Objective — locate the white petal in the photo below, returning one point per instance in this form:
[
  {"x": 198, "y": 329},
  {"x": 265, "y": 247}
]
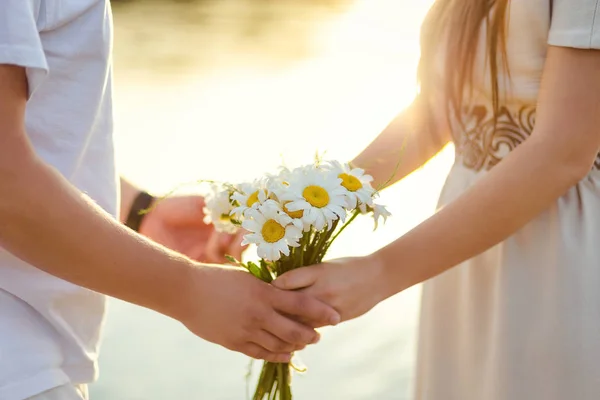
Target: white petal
[
  {"x": 293, "y": 231},
  {"x": 283, "y": 219},
  {"x": 309, "y": 215},
  {"x": 319, "y": 221},
  {"x": 259, "y": 217},
  {"x": 283, "y": 247},
  {"x": 297, "y": 223},
  {"x": 275, "y": 254},
  {"x": 298, "y": 205},
  {"x": 254, "y": 238},
  {"x": 338, "y": 191},
  {"x": 251, "y": 225},
  {"x": 351, "y": 199},
  {"x": 262, "y": 251},
  {"x": 337, "y": 210},
  {"x": 357, "y": 172}
]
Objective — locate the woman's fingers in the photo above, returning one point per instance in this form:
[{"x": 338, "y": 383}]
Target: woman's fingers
[{"x": 298, "y": 278}]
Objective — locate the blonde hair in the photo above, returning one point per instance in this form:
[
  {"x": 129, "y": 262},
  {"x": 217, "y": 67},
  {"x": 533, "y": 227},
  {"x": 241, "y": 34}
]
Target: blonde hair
[{"x": 453, "y": 27}]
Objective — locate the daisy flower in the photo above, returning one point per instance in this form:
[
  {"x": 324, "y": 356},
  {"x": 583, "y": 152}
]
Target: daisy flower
[
  {"x": 380, "y": 211},
  {"x": 279, "y": 184},
  {"x": 318, "y": 194},
  {"x": 217, "y": 210},
  {"x": 296, "y": 216},
  {"x": 248, "y": 196},
  {"x": 271, "y": 231},
  {"x": 355, "y": 181}
]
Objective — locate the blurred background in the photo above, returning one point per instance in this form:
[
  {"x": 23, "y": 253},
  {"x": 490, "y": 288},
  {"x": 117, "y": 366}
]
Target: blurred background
[{"x": 228, "y": 90}]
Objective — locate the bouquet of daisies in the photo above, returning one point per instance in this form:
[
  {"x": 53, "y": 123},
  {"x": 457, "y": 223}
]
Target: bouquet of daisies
[{"x": 292, "y": 217}]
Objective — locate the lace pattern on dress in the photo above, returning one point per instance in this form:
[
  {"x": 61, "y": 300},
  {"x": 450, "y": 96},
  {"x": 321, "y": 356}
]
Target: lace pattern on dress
[{"x": 483, "y": 145}]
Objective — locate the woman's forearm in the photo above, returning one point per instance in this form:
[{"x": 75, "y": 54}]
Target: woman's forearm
[
  {"x": 50, "y": 224},
  {"x": 560, "y": 152},
  {"x": 407, "y": 143},
  {"x": 514, "y": 192}
]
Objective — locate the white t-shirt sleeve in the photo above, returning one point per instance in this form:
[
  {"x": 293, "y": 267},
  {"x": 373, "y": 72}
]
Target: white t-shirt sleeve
[
  {"x": 575, "y": 23},
  {"x": 20, "y": 42}
]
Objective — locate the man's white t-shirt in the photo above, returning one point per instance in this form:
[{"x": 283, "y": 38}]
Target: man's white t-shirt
[{"x": 49, "y": 328}]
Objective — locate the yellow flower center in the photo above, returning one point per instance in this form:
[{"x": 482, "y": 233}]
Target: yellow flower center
[
  {"x": 316, "y": 196},
  {"x": 272, "y": 231},
  {"x": 225, "y": 217},
  {"x": 350, "y": 182},
  {"x": 293, "y": 214},
  {"x": 253, "y": 198}
]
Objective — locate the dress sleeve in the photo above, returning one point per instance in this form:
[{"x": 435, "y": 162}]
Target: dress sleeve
[
  {"x": 20, "y": 42},
  {"x": 575, "y": 23}
]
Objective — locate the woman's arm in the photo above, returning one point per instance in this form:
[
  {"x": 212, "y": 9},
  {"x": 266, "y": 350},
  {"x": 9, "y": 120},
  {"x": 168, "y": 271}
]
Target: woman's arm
[
  {"x": 408, "y": 142},
  {"x": 560, "y": 152}
]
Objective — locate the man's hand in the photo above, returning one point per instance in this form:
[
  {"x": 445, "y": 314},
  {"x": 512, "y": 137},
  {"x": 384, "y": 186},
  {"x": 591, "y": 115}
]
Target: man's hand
[
  {"x": 230, "y": 307},
  {"x": 178, "y": 223}
]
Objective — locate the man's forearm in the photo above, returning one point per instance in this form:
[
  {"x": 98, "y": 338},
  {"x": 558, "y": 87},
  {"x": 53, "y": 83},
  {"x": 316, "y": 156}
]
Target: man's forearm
[
  {"x": 407, "y": 143},
  {"x": 51, "y": 225}
]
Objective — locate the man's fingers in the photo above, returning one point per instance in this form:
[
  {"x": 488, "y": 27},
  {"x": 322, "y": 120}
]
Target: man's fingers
[
  {"x": 290, "y": 331},
  {"x": 298, "y": 278},
  {"x": 260, "y": 353},
  {"x": 273, "y": 344},
  {"x": 307, "y": 308}
]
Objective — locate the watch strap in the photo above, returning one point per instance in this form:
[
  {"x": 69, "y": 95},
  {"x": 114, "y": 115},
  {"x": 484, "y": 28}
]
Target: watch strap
[{"x": 142, "y": 202}]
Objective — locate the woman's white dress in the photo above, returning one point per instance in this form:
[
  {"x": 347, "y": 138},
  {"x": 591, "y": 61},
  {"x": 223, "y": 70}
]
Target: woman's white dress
[{"x": 522, "y": 320}]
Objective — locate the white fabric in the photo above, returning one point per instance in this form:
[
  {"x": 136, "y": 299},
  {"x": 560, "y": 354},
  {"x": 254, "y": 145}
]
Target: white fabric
[
  {"x": 576, "y": 24},
  {"x": 49, "y": 328},
  {"x": 522, "y": 320},
  {"x": 64, "y": 392}
]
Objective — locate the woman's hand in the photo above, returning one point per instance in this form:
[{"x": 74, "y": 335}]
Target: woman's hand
[{"x": 352, "y": 286}]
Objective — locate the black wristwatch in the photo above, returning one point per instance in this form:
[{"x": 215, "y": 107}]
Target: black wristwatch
[{"x": 142, "y": 202}]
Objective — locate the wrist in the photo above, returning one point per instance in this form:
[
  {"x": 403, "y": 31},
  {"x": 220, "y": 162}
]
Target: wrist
[
  {"x": 183, "y": 290},
  {"x": 391, "y": 274},
  {"x": 136, "y": 214}
]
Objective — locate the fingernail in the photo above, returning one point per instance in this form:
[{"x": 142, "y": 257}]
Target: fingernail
[
  {"x": 334, "y": 320},
  {"x": 316, "y": 339}
]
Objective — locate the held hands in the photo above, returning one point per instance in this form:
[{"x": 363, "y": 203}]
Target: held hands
[
  {"x": 229, "y": 306},
  {"x": 232, "y": 308},
  {"x": 352, "y": 286},
  {"x": 178, "y": 223}
]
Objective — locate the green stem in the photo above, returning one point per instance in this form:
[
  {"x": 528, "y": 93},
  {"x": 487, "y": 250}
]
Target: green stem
[
  {"x": 320, "y": 245},
  {"x": 322, "y": 253},
  {"x": 283, "y": 372},
  {"x": 260, "y": 389},
  {"x": 266, "y": 381},
  {"x": 274, "y": 390},
  {"x": 299, "y": 251}
]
